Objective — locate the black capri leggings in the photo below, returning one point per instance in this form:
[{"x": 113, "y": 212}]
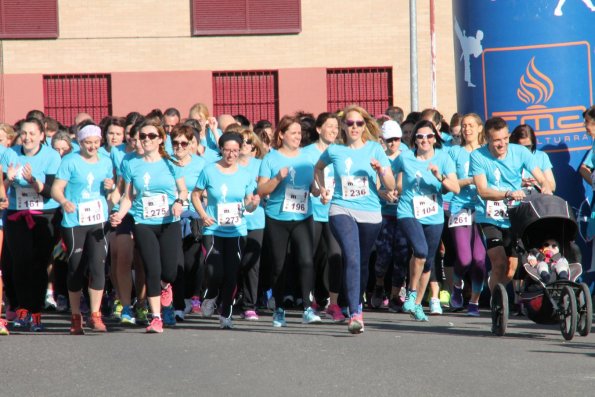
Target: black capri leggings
[
  {"x": 328, "y": 258},
  {"x": 87, "y": 250},
  {"x": 160, "y": 247},
  {"x": 224, "y": 255},
  {"x": 300, "y": 234}
]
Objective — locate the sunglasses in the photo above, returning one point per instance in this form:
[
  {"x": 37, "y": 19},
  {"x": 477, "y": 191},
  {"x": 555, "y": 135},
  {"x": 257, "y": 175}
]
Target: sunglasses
[
  {"x": 359, "y": 123},
  {"x": 142, "y": 136},
  {"x": 553, "y": 245},
  {"x": 248, "y": 141},
  {"x": 183, "y": 144},
  {"x": 391, "y": 140},
  {"x": 420, "y": 137}
]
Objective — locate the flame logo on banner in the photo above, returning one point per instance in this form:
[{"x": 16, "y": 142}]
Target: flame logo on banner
[{"x": 535, "y": 87}]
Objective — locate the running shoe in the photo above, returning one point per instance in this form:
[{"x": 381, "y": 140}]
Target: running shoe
[
  {"x": 310, "y": 317},
  {"x": 279, "y": 318},
  {"x": 418, "y": 313},
  {"x": 127, "y": 317},
  {"x": 169, "y": 317},
  {"x": 117, "y": 309},
  {"x": 179, "y": 315},
  {"x": 22, "y": 320},
  {"x": 61, "y": 304},
  {"x": 36, "y": 325},
  {"x": 395, "y": 305},
  {"x": 96, "y": 322},
  {"x": 142, "y": 315},
  {"x": 76, "y": 325},
  {"x": 166, "y": 295},
  {"x": 187, "y": 306},
  {"x": 3, "y": 329},
  {"x": 345, "y": 311},
  {"x": 195, "y": 305},
  {"x": 473, "y": 310},
  {"x": 435, "y": 307},
  {"x": 378, "y": 297},
  {"x": 250, "y": 315},
  {"x": 225, "y": 322},
  {"x": 456, "y": 298},
  {"x": 333, "y": 312},
  {"x": 50, "y": 302},
  {"x": 444, "y": 296},
  {"x": 409, "y": 305},
  {"x": 156, "y": 326},
  {"x": 11, "y": 315},
  {"x": 208, "y": 307},
  {"x": 356, "y": 323}
]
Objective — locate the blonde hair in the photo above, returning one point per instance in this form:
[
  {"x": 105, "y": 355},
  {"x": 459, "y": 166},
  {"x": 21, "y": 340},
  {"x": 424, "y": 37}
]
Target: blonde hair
[
  {"x": 198, "y": 108},
  {"x": 481, "y": 137},
  {"x": 11, "y": 134},
  {"x": 248, "y": 134},
  {"x": 371, "y": 129}
]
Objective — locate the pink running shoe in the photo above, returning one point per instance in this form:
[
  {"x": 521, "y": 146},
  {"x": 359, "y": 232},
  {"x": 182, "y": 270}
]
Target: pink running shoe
[
  {"x": 196, "y": 305},
  {"x": 250, "y": 315},
  {"x": 167, "y": 296},
  {"x": 333, "y": 311},
  {"x": 156, "y": 326},
  {"x": 356, "y": 324}
]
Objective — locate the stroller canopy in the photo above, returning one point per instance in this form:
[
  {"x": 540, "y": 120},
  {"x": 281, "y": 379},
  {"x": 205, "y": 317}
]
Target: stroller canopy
[{"x": 540, "y": 217}]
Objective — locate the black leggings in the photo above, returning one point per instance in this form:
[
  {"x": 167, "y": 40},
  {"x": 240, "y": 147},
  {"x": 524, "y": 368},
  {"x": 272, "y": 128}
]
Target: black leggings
[
  {"x": 250, "y": 268},
  {"x": 87, "y": 250},
  {"x": 328, "y": 259},
  {"x": 300, "y": 234},
  {"x": 189, "y": 279},
  {"x": 224, "y": 255},
  {"x": 30, "y": 251},
  {"x": 160, "y": 247}
]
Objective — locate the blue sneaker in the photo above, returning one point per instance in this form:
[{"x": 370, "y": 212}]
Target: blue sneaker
[
  {"x": 456, "y": 298},
  {"x": 435, "y": 308},
  {"x": 169, "y": 316},
  {"x": 126, "y": 316},
  {"x": 418, "y": 313},
  {"x": 23, "y": 320},
  {"x": 473, "y": 310},
  {"x": 409, "y": 305},
  {"x": 310, "y": 317},
  {"x": 279, "y": 318}
]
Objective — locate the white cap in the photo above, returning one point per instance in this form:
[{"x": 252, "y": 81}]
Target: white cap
[{"x": 391, "y": 129}]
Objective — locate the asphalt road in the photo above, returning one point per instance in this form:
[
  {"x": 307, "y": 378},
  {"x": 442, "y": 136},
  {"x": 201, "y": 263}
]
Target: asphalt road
[{"x": 452, "y": 355}]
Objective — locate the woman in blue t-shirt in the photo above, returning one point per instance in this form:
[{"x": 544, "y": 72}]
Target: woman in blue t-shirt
[
  {"x": 286, "y": 175},
  {"x": 29, "y": 171},
  {"x": 82, "y": 182},
  {"x": 112, "y": 134},
  {"x": 250, "y": 159},
  {"x": 525, "y": 135},
  {"x": 230, "y": 191},
  {"x": 156, "y": 193},
  {"x": 359, "y": 166},
  {"x": 422, "y": 175}
]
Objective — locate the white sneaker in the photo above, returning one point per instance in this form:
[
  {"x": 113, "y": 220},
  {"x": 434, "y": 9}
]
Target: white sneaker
[
  {"x": 435, "y": 307},
  {"x": 208, "y": 307},
  {"x": 50, "y": 302},
  {"x": 225, "y": 322},
  {"x": 187, "y": 306}
]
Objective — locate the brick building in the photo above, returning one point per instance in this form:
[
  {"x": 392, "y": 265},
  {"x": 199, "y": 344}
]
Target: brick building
[{"x": 263, "y": 58}]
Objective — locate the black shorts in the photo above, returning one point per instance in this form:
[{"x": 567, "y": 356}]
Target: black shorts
[
  {"x": 499, "y": 237},
  {"x": 126, "y": 226}
]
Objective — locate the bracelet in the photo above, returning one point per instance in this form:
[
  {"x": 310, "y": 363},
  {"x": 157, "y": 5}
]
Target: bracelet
[{"x": 179, "y": 201}]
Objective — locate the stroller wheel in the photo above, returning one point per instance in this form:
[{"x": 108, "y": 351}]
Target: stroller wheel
[
  {"x": 499, "y": 306},
  {"x": 568, "y": 313},
  {"x": 585, "y": 310}
]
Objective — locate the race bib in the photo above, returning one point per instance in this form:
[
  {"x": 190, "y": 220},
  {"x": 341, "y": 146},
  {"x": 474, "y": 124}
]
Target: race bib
[
  {"x": 463, "y": 218},
  {"x": 354, "y": 187},
  {"x": 155, "y": 206},
  {"x": 28, "y": 199},
  {"x": 496, "y": 210},
  {"x": 424, "y": 206},
  {"x": 296, "y": 200},
  {"x": 229, "y": 214},
  {"x": 91, "y": 213}
]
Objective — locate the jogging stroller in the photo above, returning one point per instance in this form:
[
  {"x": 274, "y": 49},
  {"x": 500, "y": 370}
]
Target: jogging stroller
[{"x": 565, "y": 301}]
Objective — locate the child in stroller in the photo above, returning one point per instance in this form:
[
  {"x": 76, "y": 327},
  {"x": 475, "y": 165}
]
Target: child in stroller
[{"x": 548, "y": 261}]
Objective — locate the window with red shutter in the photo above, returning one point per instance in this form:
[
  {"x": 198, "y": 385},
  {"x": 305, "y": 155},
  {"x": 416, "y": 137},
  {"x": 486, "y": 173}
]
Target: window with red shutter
[
  {"x": 370, "y": 88},
  {"x": 255, "y": 94},
  {"x": 245, "y": 17},
  {"x": 31, "y": 19},
  {"x": 65, "y": 96}
]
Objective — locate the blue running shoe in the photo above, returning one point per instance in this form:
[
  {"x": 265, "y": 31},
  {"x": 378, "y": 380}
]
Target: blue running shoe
[
  {"x": 279, "y": 318},
  {"x": 456, "y": 298},
  {"x": 473, "y": 310},
  {"x": 409, "y": 305},
  {"x": 36, "y": 325},
  {"x": 169, "y": 316},
  {"x": 126, "y": 316},
  {"x": 418, "y": 314},
  {"x": 310, "y": 317},
  {"x": 23, "y": 320}
]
